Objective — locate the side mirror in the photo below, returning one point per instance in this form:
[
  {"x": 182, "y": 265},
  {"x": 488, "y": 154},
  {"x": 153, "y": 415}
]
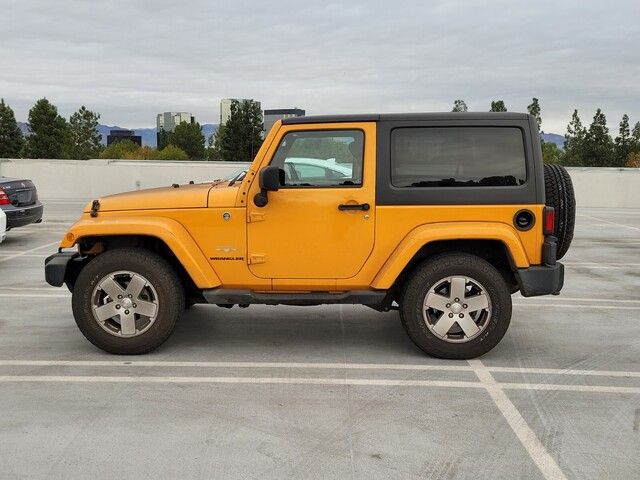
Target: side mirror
[{"x": 271, "y": 178}]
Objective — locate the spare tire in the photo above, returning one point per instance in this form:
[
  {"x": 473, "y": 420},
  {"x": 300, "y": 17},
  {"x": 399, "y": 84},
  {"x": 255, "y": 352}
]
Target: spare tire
[{"x": 559, "y": 195}]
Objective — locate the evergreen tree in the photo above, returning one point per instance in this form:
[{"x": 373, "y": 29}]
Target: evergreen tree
[
  {"x": 83, "y": 139},
  {"x": 574, "y": 141},
  {"x": 598, "y": 146},
  {"x": 635, "y": 138},
  {"x": 498, "y": 106},
  {"x": 11, "y": 140},
  {"x": 188, "y": 137},
  {"x": 240, "y": 138},
  {"x": 534, "y": 109},
  {"x": 624, "y": 142},
  {"x": 459, "y": 106},
  {"x": 48, "y": 131}
]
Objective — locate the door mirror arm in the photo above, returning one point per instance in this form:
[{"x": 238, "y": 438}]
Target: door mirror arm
[{"x": 271, "y": 178}]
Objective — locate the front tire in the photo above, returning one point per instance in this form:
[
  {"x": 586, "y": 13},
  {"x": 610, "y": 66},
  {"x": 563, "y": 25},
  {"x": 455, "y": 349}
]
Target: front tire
[
  {"x": 455, "y": 306},
  {"x": 127, "y": 301}
]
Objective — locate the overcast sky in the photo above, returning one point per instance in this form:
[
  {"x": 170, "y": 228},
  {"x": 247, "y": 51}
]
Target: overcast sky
[{"x": 131, "y": 59}]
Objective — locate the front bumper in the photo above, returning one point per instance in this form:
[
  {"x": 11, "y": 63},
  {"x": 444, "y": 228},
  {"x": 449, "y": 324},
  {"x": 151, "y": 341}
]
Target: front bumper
[
  {"x": 21, "y": 216},
  {"x": 57, "y": 265},
  {"x": 541, "y": 280}
]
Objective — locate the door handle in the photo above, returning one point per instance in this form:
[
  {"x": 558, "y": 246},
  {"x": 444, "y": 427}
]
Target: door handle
[{"x": 353, "y": 206}]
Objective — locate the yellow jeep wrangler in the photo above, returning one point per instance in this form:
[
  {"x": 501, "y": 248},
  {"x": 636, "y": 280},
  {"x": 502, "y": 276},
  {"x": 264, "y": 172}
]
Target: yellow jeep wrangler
[{"x": 439, "y": 216}]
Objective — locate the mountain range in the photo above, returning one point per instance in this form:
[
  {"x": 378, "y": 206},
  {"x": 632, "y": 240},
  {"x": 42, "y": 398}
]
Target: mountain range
[{"x": 149, "y": 134}]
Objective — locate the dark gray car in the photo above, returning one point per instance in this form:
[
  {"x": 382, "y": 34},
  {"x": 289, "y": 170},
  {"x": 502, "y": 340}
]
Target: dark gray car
[{"x": 19, "y": 200}]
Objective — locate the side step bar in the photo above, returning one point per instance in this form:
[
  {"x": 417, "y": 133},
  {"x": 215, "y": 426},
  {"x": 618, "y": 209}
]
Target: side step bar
[{"x": 222, "y": 296}]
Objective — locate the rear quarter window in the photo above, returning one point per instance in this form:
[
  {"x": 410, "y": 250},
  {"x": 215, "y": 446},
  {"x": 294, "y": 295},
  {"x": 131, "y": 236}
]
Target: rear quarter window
[{"x": 457, "y": 157}]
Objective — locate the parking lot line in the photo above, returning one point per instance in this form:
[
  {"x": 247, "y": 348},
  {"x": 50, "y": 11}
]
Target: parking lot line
[
  {"x": 311, "y": 365},
  {"x": 537, "y": 451},
  {"x": 313, "y": 381},
  {"x": 607, "y": 221},
  {"x": 577, "y": 305},
  {"x": 10, "y": 257}
]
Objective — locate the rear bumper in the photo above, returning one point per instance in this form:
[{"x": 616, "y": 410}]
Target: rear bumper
[
  {"x": 541, "y": 280},
  {"x": 21, "y": 216},
  {"x": 56, "y": 266}
]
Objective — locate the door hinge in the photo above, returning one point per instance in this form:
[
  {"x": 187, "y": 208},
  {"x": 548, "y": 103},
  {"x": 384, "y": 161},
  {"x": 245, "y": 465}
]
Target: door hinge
[
  {"x": 255, "y": 258},
  {"x": 256, "y": 217}
]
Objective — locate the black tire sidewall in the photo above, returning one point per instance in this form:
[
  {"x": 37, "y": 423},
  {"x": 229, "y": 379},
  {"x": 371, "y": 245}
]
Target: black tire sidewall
[
  {"x": 437, "y": 268},
  {"x": 157, "y": 271}
]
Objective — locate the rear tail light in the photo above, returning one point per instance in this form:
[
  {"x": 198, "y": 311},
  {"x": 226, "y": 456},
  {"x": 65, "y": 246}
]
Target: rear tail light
[
  {"x": 549, "y": 223},
  {"x": 4, "y": 198}
]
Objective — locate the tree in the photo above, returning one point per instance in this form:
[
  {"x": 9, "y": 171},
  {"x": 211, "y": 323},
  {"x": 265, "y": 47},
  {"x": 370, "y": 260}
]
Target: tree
[
  {"x": 574, "y": 141},
  {"x": 534, "y": 109},
  {"x": 633, "y": 160},
  {"x": 48, "y": 131},
  {"x": 83, "y": 139},
  {"x": 121, "y": 149},
  {"x": 170, "y": 152},
  {"x": 635, "y": 137},
  {"x": 624, "y": 142},
  {"x": 188, "y": 137},
  {"x": 240, "y": 138},
  {"x": 498, "y": 106},
  {"x": 551, "y": 153},
  {"x": 11, "y": 140},
  {"x": 598, "y": 146},
  {"x": 459, "y": 106}
]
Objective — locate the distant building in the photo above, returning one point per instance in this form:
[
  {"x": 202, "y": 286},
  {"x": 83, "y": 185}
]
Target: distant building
[
  {"x": 167, "y": 121},
  {"x": 272, "y": 116},
  {"x": 225, "y": 108},
  {"x": 116, "y": 136}
]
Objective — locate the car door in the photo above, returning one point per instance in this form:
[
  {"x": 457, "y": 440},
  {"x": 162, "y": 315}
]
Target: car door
[{"x": 320, "y": 223}]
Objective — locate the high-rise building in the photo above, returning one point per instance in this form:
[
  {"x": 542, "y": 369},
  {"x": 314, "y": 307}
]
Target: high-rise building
[
  {"x": 225, "y": 107},
  {"x": 116, "y": 136},
  {"x": 272, "y": 116},
  {"x": 167, "y": 121}
]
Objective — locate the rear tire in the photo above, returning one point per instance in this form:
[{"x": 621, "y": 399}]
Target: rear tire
[
  {"x": 108, "y": 283},
  {"x": 437, "y": 281},
  {"x": 559, "y": 194}
]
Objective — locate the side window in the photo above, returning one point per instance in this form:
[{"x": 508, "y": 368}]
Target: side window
[
  {"x": 457, "y": 157},
  {"x": 326, "y": 158}
]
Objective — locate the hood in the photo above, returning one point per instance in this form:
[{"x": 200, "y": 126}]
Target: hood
[{"x": 182, "y": 196}]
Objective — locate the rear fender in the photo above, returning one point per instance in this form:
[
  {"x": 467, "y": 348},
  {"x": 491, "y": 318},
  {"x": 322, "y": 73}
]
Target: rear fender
[{"x": 425, "y": 234}]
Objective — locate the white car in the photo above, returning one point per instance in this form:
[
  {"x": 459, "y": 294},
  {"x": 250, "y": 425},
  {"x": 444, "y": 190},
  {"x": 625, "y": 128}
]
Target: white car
[{"x": 3, "y": 225}]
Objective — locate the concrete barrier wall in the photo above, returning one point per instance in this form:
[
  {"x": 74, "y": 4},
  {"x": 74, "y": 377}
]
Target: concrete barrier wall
[
  {"x": 595, "y": 187},
  {"x": 606, "y": 187},
  {"x": 88, "y": 179}
]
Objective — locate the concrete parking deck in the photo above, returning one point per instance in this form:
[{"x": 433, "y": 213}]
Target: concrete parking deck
[{"x": 326, "y": 392}]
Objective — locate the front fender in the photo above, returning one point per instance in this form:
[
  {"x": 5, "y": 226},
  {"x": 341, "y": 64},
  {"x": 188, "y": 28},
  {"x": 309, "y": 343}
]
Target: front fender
[
  {"x": 171, "y": 232},
  {"x": 433, "y": 232}
]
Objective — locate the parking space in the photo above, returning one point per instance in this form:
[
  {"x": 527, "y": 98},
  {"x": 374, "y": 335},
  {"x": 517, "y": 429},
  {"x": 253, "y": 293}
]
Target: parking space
[{"x": 288, "y": 392}]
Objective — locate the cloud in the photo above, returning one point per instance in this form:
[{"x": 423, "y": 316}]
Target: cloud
[{"x": 130, "y": 60}]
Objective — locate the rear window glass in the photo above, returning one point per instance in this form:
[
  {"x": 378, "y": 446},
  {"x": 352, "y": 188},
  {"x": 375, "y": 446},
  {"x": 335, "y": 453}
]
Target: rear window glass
[{"x": 457, "y": 157}]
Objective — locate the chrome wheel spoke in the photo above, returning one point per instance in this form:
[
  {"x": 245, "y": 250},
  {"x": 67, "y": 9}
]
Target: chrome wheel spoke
[
  {"x": 105, "y": 312},
  {"x": 148, "y": 309},
  {"x": 468, "y": 326},
  {"x": 127, "y": 323},
  {"x": 134, "y": 309},
  {"x": 436, "y": 301},
  {"x": 443, "y": 325},
  {"x": 458, "y": 288},
  {"x": 135, "y": 286},
  {"x": 456, "y": 317},
  {"x": 111, "y": 288},
  {"x": 477, "y": 302}
]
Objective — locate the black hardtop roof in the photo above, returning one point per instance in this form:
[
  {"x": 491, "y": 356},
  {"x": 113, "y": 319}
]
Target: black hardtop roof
[{"x": 399, "y": 117}]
